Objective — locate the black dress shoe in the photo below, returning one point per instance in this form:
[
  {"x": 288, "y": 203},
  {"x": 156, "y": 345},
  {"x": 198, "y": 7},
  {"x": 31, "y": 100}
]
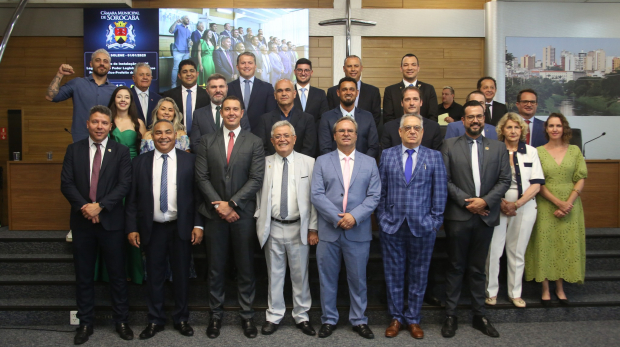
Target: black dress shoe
[
  {"x": 269, "y": 328},
  {"x": 563, "y": 302},
  {"x": 450, "y": 325},
  {"x": 124, "y": 331},
  {"x": 432, "y": 300},
  {"x": 545, "y": 303},
  {"x": 151, "y": 330},
  {"x": 306, "y": 328},
  {"x": 326, "y": 330},
  {"x": 213, "y": 330},
  {"x": 482, "y": 323},
  {"x": 82, "y": 333},
  {"x": 249, "y": 328},
  {"x": 184, "y": 328},
  {"x": 364, "y": 331}
]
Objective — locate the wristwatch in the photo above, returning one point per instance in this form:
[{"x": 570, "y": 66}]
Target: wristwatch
[
  {"x": 232, "y": 204},
  {"x": 101, "y": 206}
]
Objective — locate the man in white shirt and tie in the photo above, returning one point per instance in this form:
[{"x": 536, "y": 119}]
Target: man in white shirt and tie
[
  {"x": 286, "y": 227},
  {"x": 309, "y": 99},
  {"x": 146, "y": 99}
]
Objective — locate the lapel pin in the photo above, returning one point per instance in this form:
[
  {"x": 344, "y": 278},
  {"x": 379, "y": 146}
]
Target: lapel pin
[
  {"x": 110, "y": 150},
  {"x": 486, "y": 148}
]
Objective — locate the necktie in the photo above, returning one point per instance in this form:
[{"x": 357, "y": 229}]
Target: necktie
[
  {"x": 284, "y": 191},
  {"x": 94, "y": 177},
  {"x": 529, "y": 133},
  {"x": 145, "y": 105},
  {"x": 487, "y": 114},
  {"x": 475, "y": 167},
  {"x": 188, "y": 112},
  {"x": 229, "y": 61},
  {"x": 246, "y": 93},
  {"x": 163, "y": 196},
  {"x": 409, "y": 165},
  {"x": 217, "y": 116},
  {"x": 411, "y": 85},
  {"x": 302, "y": 97},
  {"x": 231, "y": 144},
  {"x": 346, "y": 176}
]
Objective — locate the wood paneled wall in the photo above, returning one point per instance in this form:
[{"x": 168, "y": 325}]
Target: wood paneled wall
[
  {"x": 322, "y": 55},
  {"x": 456, "y": 62},
  {"x": 232, "y": 4},
  {"x": 425, "y": 4}
]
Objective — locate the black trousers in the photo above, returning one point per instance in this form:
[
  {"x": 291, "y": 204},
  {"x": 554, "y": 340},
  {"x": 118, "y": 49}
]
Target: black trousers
[
  {"x": 242, "y": 235},
  {"x": 468, "y": 246},
  {"x": 165, "y": 243},
  {"x": 85, "y": 243}
]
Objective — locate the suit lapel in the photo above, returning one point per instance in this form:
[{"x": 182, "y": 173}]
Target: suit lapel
[
  {"x": 298, "y": 161},
  {"x": 84, "y": 153},
  {"x": 357, "y": 163},
  {"x": 292, "y": 117},
  {"x": 466, "y": 151},
  {"x": 256, "y": 83},
  {"x": 238, "y": 144},
  {"x": 420, "y": 162},
  {"x": 485, "y": 157},
  {"x": 107, "y": 157},
  {"x": 210, "y": 119},
  {"x": 138, "y": 103},
  {"x": 220, "y": 142},
  {"x": 337, "y": 168}
]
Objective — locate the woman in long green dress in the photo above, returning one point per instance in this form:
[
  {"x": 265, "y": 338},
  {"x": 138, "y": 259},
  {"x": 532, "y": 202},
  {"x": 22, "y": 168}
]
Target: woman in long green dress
[
  {"x": 205, "y": 52},
  {"x": 557, "y": 247},
  {"x": 127, "y": 129}
]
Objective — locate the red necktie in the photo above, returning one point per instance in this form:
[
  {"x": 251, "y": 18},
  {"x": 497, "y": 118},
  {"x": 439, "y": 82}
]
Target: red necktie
[
  {"x": 231, "y": 144},
  {"x": 94, "y": 177},
  {"x": 529, "y": 133}
]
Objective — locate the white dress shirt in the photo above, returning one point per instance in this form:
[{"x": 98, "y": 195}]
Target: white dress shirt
[
  {"x": 414, "y": 157},
  {"x": 214, "y": 112},
  {"x": 242, "y": 82},
  {"x": 171, "y": 174},
  {"x": 306, "y": 92},
  {"x": 276, "y": 188},
  {"x": 415, "y": 83},
  {"x": 345, "y": 112},
  {"x": 92, "y": 150},
  {"x": 351, "y": 161},
  {"x": 143, "y": 97},
  {"x": 194, "y": 89},
  {"x": 227, "y": 138}
]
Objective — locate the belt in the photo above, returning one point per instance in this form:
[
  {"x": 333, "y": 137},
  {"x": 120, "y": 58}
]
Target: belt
[
  {"x": 285, "y": 221},
  {"x": 166, "y": 223}
]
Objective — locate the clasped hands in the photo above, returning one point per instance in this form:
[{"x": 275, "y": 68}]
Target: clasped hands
[
  {"x": 347, "y": 222},
  {"x": 91, "y": 212},
  {"x": 564, "y": 208},
  {"x": 508, "y": 208},
  {"x": 225, "y": 212},
  {"x": 477, "y": 206}
]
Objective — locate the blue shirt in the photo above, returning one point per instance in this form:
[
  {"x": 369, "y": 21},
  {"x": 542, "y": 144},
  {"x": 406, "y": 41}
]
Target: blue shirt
[
  {"x": 181, "y": 38},
  {"x": 242, "y": 84},
  {"x": 86, "y": 94},
  {"x": 414, "y": 157},
  {"x": 283, "y": 117}
]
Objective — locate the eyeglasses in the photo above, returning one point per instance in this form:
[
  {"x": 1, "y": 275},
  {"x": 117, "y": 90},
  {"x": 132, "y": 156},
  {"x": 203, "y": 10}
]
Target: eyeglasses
[
  {"x": 472, "y": 117},
  {"x": 408, "y": 128},
  {"x": 303, "y": 70},
  {"x": 285, "y": 136},
  {"x": 528, "y": 102}
]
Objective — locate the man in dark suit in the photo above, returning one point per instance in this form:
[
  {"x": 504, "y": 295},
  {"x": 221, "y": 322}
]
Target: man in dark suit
[
  {"x": 208, "y": 119},
  {"x": 494, "y": 110},
  {"x": 308, "y": 99},
  {"x": 196, "y": 36},
  {"x": 302, "y": 122},
  {"x": 226, "y": 31},
  {"x": 223, "y": 59},
  {"x": 456, "y": 129},
  {"x": 145, "y": 99},
  {"x": 409, "y": 66},
  {"x": 367, "y": 138},
  {"x": 96, "y": 176},
  {"x": 216, "y": 36},
  {"x": 527, "y": 104},
  {"x": 256, "y": 95},
  {"x": 478, "y": 176},
  {"x": 411, "y": 104},
  {"x": 369, "y": 96},
  {"x": 449, "y": 106},
  {"x": 230, "y": 167},
  {"x": 164, "y": 196},
  {"x": 188, "y": 96}
]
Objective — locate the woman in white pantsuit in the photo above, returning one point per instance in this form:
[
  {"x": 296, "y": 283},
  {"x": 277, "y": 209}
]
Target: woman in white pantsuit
[{"x": 518, "y": 209}]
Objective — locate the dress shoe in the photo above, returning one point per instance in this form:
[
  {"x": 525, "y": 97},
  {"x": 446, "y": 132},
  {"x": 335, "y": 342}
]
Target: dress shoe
[
  {"x": 124, "y": 331},
  {"x": 415, "y": 331},
  {"x": 491, "y": 301},
  {"x": 393, "y": 329},
  {"x": 563, "y": 302},
  {"x": 151, "y": 330},
  {"x": 545, "y": 303},
  {"x": 482, "y": 323},
  {"x": 82, "y": 333},
  {"x": 306, "y": 328},
  {"x": 213, "y": 330},
  {"x": 249, "y": 328},
  {"x": 326, "y": 330},
  {"x": 184, "y": 328},
  {"x": 269, "y": 328},
  {"x": 518, "y": 302},
  {"x": 364, "y": 331},
  {"x": 432, "y": 300},
  {"x": 450, "y": 325}
]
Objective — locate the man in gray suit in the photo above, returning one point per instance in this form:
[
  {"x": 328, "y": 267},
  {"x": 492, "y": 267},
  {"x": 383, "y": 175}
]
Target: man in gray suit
[
  {"x": 230, "y": 167},
  {"x": 286, "y": 227},
  {"x": 478, "y": 176}
]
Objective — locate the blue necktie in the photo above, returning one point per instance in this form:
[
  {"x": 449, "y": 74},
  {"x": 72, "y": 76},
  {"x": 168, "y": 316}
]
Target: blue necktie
[
  {"x": 284, "y": 191},
  {"x": 411, "y": 85},
  {"x": 188, "y": 112},
  {"x": 246, "y": 94},
  {"x": 302, "y": 97},
  {"x": 409, "y": 165},
  {"x": 163, "y": 196}
]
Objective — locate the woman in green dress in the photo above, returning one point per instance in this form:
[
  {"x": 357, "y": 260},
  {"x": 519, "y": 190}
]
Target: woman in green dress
[
  {"x": 557, "y": 247},
  {"x": 205, "y": 52},
  {"x": 127, "y": 129}
]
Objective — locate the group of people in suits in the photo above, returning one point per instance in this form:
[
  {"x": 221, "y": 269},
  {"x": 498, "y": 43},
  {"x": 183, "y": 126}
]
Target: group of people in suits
[{"x": 252, "y": 175}]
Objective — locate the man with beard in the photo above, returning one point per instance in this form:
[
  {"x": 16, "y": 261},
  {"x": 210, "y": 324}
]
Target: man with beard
[
  {"x": 457, "y": 128},
  {"x": 208, "y": 119},
  {"x": 93, "y": 90},
  {"x": 367, "y": 138},
  {"x": 527, "y": 103},
  {"x": 479, "y": 175}
]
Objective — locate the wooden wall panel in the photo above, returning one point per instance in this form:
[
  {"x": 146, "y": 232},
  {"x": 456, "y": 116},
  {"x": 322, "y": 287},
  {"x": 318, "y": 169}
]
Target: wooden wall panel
[
  {"x": 425, "y": 4},
  {"x": 232, "y": 4},
  {"x": 601, "y": 194},
  {"x": 321, "y": 55},
  {"x": 456, "y": 62}
]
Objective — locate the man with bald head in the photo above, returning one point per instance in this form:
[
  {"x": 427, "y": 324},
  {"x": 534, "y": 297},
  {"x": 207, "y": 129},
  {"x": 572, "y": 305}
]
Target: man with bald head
[{"x": 303, "y": 123}]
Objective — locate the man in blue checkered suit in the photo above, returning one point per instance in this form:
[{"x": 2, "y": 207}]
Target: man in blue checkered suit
[{"x": 413, "y": 198}]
